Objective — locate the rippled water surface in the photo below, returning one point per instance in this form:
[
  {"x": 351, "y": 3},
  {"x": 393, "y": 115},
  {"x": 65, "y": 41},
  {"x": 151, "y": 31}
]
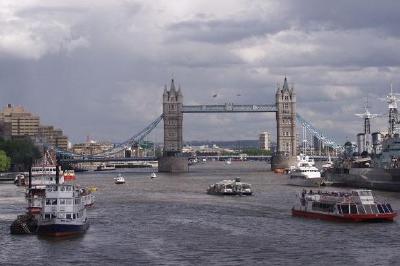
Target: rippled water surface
[{"x": 170, "y": 220}]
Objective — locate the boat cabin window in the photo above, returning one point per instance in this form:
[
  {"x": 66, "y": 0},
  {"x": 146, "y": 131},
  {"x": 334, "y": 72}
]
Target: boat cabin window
[
  {"x": 360, "y": 209},
  {"x": 51, "y": 188},
  {"x": 51, "y": 202},
  {"x": 324, "y": 207},
  {"x": 374, "y": 209},
  {"x": 387, "y": 208},
  {"x": 365, "y": 193},
  {"x": 368, "y": 208},
  {"x": 69, "y": 216},
  {"x": 345, "y": 208},
  {"x": 353, "y": 209},
  {"x": 380, "y": 209},
  {"x": 47, "y": 216}
]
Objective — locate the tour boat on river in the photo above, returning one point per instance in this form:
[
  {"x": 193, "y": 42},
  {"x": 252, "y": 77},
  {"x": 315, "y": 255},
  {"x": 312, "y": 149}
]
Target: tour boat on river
[
  {"x": 230, "y": 187},
  {"x": 355, "y": 206},
  {"x": 63, "y": 212}
]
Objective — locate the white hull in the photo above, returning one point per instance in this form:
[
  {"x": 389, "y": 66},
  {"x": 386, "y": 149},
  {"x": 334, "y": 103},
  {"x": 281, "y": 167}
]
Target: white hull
[{"x": 305, "y": 182}]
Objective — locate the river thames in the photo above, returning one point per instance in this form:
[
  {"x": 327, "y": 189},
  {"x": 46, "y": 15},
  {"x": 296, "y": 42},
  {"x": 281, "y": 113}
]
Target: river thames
[{"x": 170, "y": 220}]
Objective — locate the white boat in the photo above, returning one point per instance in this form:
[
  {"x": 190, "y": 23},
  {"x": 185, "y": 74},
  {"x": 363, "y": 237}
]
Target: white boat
[
  {"x": 230, "y": 187},
  {"x": 305, "y": 173},
  {"x": 328, "y": 164},
  {"x": 35, "y": 192},
  {"x": 119, "y": 179},
  {"x": 63, "y": 212},
  {"x": 88, "y": 198},
  {"x": 228, "y": 162},
  {"x": 105, "y": 167},
  {"x": 153, "y": 175}
]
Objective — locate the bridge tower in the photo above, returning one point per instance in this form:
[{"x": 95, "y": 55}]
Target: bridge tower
[
  {"x": 172, "y": 161},
  {"x": 173, "y": 118},
  {"x": 285, "y": 127}
]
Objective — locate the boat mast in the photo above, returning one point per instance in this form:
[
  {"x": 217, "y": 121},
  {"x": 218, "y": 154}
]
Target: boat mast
[
  {"x": 392, "y": 99},
  {"x": 367, "y": 116}
]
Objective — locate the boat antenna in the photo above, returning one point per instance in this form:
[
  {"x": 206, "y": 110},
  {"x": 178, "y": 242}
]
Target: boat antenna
[{"x": 57, "y": 173}]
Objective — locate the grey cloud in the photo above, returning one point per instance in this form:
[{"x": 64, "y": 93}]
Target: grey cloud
[
  {"x": 111, "y": 88},
  {"x": 346, "y": 15},
  {"x": 223, "y": 30}
]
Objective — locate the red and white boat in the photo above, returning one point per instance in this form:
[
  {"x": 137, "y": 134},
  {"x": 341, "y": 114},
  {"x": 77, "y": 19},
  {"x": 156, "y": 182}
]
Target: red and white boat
[
  {"x": 69, "y": 175},
  {"x": 355, "y": 206}
]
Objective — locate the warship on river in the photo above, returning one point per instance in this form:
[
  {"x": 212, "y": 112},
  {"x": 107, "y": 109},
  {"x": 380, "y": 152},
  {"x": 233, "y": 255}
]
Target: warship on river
[{"x": 376, "y": 164}]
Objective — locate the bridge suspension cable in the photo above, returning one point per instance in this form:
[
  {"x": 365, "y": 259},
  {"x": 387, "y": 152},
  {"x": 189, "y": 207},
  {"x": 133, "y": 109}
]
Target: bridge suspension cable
[
  {"x": 137, "y": 138},
  {"x": 308, "y": 128}
]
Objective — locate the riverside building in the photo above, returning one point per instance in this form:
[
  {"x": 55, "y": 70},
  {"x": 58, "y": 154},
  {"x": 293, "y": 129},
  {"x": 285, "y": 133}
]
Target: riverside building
[{"x": 16, "y": 122}]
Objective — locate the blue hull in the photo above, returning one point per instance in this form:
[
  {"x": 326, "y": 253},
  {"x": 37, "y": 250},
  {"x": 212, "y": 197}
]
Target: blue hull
[{"x": 62, "y": 229}]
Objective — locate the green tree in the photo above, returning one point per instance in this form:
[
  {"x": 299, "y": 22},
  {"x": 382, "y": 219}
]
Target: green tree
[
  {"x": 21, "y": 151},
  {"x": 254, "y": 151},
  {"x": 5, "y": 161}
]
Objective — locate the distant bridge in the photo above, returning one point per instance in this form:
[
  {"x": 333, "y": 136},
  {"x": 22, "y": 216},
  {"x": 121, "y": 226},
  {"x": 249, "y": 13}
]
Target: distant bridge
[{"x": 106, "y": 159}]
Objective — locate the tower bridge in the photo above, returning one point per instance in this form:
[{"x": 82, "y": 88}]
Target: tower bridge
[
  {"x": 173, "y": 110},
  {"x": 173, "y": 160}
]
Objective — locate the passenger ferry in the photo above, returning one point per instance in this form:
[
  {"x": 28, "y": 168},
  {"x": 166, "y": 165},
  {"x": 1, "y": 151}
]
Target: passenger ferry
[
  {"x": 36, "y": 191},
  {"x": 64, "y": 212},
  {"x": 41, "y": 175},
  {"x": 105, "y": 167},
  {"x": 69, "y": 175},
  {"x": 87, "y": 197},
  {"x": 305, "y": 173},
  {"x": 356, "y": 206},
  {"x": 230, "y": 187}
]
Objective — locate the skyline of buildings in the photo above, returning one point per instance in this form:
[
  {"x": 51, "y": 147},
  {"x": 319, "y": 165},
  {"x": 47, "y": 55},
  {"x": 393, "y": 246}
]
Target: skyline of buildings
[{"x": 17, "y": 123}]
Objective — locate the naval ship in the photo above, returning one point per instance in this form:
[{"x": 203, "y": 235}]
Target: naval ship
[{"x": 377, "y": 164}]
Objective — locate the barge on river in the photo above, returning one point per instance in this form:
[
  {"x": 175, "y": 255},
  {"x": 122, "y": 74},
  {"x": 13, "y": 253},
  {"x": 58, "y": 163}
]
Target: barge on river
[{"x": 356, "y": 206}]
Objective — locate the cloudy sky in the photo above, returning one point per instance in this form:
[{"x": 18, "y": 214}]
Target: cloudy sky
[{"x": 98, "y": 67}]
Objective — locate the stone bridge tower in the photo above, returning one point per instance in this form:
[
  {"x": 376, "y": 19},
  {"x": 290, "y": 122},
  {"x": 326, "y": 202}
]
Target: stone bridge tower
[
  {"x": 285, "y": 127},
  {"x": 173, "y": 117},
  {"x": 172, "y": 160}
]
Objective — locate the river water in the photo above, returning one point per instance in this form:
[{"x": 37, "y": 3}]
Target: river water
[{"x": 170, "y": 220}]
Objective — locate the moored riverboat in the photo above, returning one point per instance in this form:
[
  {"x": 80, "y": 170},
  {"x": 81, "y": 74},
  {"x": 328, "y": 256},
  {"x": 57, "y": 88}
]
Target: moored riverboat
[
  {"x": 356, "y": 206},
  {"x": 305, "y": 173},
  {"x": 69, "y": 175},
  {"x": 63, "y": 212}
]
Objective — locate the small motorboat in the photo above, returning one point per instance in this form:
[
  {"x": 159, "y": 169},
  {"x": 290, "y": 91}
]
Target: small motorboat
[
  {"x": 153, "y": 175},
  {"x": 119, "y": 179}
]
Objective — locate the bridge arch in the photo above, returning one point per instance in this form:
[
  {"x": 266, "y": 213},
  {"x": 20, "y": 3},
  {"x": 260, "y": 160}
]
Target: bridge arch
[{"x": 173, "y": 110}]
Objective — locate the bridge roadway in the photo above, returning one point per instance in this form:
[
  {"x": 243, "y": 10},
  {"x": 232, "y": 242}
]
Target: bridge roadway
[
  {"x": 254, "y": 157},
  {"x": 207, "y": 157},
  {"x": 105, "y": 159}
]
